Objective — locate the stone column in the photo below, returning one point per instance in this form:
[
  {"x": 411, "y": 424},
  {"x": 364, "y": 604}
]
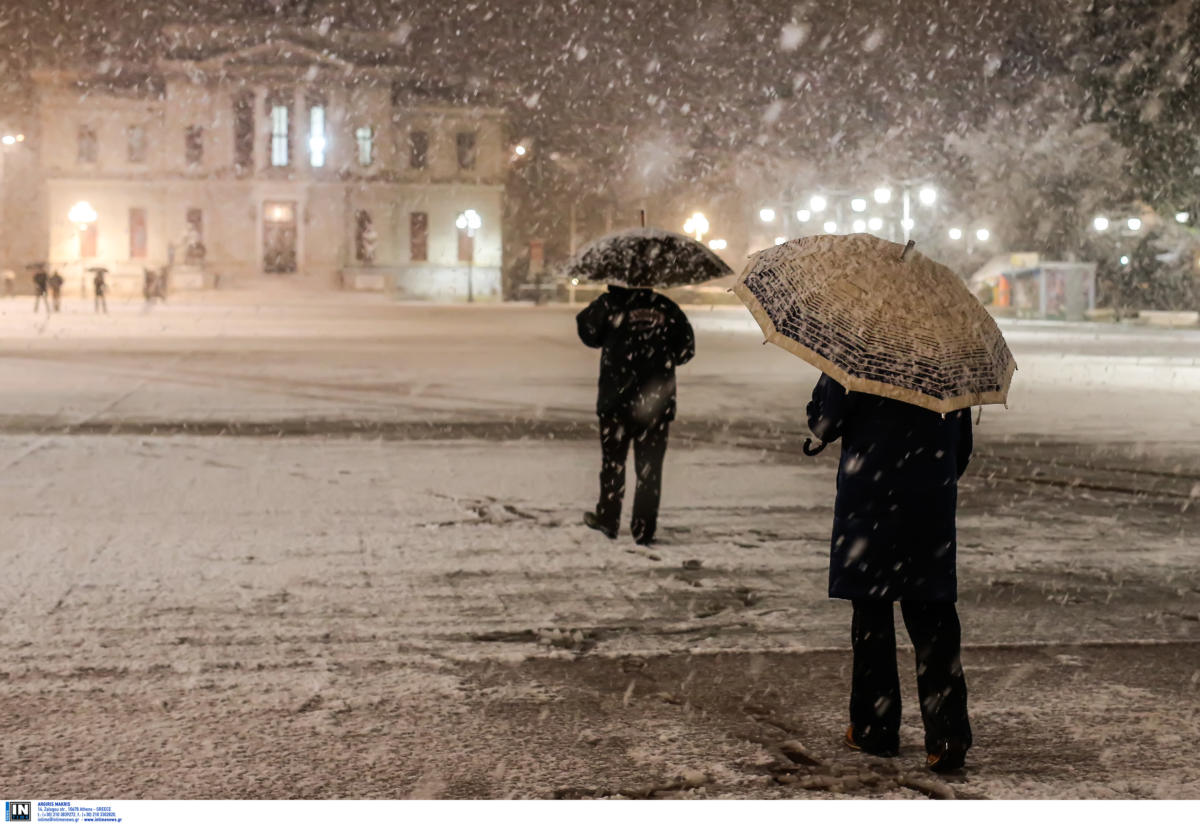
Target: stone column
[
  {"x": 262, "y": 136},
  {"x": 299, "y": 134}
]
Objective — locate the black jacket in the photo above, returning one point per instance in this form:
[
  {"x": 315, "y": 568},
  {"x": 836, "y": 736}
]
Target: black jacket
[
  {"x": 897, "y": 494},
  {"x": 643, "y": 336}
]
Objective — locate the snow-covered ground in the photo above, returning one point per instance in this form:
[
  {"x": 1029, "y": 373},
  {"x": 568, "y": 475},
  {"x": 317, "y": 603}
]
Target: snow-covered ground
[{"x": 324, "y": 545}]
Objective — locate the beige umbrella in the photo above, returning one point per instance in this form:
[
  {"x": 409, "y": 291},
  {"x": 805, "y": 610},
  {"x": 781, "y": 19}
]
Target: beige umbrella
[{"x": 879, "y": 318}]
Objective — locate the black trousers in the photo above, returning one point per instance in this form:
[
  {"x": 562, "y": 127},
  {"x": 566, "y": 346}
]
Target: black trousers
[
  {"x": 941, "y": 686},
  {"x": 649, "y": 449}
]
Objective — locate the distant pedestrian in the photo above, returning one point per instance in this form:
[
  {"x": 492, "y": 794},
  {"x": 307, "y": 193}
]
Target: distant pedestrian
[
  {"x": 149, "y": 285},
  {"x": 56, "y": 283},
  {"x": 643, "y": 336},
  {"x": 894, "y": 540},
  {"x": 40, "y": 289},
  {"x": 10, "y": 283},
  {"x": 101, "y": 289}
]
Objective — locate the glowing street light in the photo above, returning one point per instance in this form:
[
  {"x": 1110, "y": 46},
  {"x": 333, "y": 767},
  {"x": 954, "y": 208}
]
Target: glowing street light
[
  {"x": 1181, "y": 217},
  {"x": 875, "y": 224},
  {"x": 8, "y": 140},
  {"x": 908, "y": 223},
  {"x": 859, "y": 204},
  {"x": 818, "y": 203},
  {"x": 859, "y": 225},
  {"x": 696, "y": 225},
  {"x": 955, "y": 233},
  {"x": 470, "y": 222},
  {"x": 766, "y": 215},
  {"x": 1124, "y": 260},
  {"x": 830, "y": 227},
  {"x": 717, "y": 244},
  {"x": 883, "y": 195},
  {"x": 779, "y": 241},
  {"x": 520, "y": 150},
  {"x": 1134, "y": 224},
  {"x": 927, "y": 195},
  {"x": 982, "y": 235},
  {"x": 82, "y": 214},
  {"x": 1100, "y": 223},
  {"x": 803, "y": 215}
]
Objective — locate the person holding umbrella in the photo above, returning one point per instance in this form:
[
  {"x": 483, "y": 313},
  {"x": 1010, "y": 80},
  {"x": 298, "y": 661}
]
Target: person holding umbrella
[
  {"x": 40, "y": 287},
  {"x": 643, "y": 336},
  {"x": 906, "y": 350},
  {"x": 100, "y": 288}
]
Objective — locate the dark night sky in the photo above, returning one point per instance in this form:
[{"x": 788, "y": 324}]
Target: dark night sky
[{"x": 585, "y": 76}]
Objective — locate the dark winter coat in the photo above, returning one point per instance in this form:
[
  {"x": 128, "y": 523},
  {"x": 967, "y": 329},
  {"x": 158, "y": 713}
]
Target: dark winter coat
[
  {"x": 39, "y": 282},
  {"x": 56, "y": 282},
  {"x": 897, "y": 494},
  {"x": 643, "y": 336}
]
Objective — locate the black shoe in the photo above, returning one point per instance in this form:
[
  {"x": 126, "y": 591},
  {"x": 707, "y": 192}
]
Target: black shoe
[
  {"x": 592, "y": 522},
  {"x": 870, "y": 747},
  {"x": 949, "y": 756},
  {"x": 645, "y": 540}
]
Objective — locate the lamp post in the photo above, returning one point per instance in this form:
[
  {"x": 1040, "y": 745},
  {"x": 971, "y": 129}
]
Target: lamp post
[
  {"x": 696, "y": 225},
  {"x": 82, "y": 215},
  {"x": 470, "y": 221}
]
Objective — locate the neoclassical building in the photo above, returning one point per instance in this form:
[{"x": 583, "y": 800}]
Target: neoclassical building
[{"x": 239, "y": 156}]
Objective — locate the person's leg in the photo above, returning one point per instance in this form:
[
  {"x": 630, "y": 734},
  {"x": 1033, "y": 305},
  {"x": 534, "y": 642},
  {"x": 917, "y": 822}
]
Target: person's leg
[
  {"x": 649, "y": 450},
  {"x": 614, "y": 450},
  {"x": 875, "y": 683},
  {"x": 937, "y": 638}
]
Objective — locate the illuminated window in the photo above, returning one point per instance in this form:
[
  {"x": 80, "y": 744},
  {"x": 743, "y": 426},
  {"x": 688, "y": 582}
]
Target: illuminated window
[
  {"x": 365, "y": 137},
  {"x": 316, "y": 136},
  {"x": 279, "y": 135},
  {"x": 137, "y": 233}
]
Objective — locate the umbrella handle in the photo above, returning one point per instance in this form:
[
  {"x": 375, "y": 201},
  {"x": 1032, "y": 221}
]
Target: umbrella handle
[{"x": 810, "y": 450}]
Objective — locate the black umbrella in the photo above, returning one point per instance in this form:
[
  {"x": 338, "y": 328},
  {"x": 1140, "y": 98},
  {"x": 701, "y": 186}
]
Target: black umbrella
[
  {"x": 646, "y": 258},
  {"x": 100, "y": 270}
]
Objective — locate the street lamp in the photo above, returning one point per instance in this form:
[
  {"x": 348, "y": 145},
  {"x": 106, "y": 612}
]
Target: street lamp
[
  {"x": 860, "y": 225},
  {"x": 830, "y": 227},
  {"x": 803, "y": 215},
  {"x": 927, "y": 195},
  {"x": 82, "y": 215},
  {"x": 717, "y": 244},
  {"x": 766, "y": 215},
  {"x": 875, "y": 224},
  {"x": 1181, "y": 217},
  {"x": 1124, "y": 260},
  {"x": 955, "y": 233},
  {"x": 982, "y": 235},
  {"x": 859, "y": 204},
  {"x": 779, "y": 241},
  {"x": 818, "y": 203},
  {"x": 697, "y": 224},
  {"x": 883, "y": 195},
  {"x": 1100, "y": 223},
  {"x": 1134, "y": 224},
  {"x": 470, "y": 221}
]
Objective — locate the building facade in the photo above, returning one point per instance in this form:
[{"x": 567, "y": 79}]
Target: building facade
[{"x": 236, "y": 158}]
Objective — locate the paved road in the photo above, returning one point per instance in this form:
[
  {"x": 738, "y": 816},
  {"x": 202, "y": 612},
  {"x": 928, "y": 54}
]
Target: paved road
[{"x": 331, "y": 549}]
